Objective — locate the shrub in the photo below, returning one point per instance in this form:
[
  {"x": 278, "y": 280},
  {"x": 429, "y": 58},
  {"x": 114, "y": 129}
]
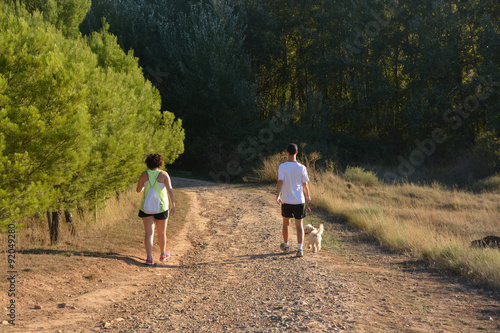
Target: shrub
[
  {"x": 360, "y": 176},
  {"x": 490, "y": 184}
]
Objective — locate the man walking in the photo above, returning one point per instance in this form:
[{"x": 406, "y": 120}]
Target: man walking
[{"x": 292, "y": 185}]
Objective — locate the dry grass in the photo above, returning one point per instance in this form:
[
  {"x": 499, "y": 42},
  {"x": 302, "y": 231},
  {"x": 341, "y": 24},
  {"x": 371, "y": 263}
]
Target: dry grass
[
  {"x": 268, "y": 172},
  {"x": 431, "y": 222},
  {"x": 115, "y": 229}
]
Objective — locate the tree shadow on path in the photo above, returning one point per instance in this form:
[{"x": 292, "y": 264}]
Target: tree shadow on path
[{"x": 94, "y": 254}]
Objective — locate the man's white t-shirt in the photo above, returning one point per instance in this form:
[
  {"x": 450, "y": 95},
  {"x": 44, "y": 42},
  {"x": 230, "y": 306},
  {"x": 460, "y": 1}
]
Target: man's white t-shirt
[{"x": 293, "y": 175}]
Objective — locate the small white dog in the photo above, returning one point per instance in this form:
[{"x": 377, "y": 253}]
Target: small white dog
[{"x": 314, "y": 236}]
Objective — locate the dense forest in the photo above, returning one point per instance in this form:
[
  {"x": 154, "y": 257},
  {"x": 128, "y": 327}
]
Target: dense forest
[
  {"x": 407, "y": 84},
  {"x": 87, "y": 88}
]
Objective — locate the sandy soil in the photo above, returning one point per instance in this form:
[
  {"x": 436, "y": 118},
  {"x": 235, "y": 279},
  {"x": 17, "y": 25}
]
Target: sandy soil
[{"x": 226, "y": 274}]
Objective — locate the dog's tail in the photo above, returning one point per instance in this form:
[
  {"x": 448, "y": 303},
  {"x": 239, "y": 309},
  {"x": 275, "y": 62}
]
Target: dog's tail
[{"x": 320, "y": 229}]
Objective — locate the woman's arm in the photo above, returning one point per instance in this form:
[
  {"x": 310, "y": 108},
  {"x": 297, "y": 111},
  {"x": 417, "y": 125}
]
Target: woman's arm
[
  {"x": 142, "y": 179},
  {"x": 170, "y": 191}
]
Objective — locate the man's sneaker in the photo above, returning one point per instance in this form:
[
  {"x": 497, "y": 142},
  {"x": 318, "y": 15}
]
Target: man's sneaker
[
  {"x": 149, "y": 261},
  {"x": 300, "y": 253},
  {"x": 285, "y": 248},
  {"x": 165, "y": 256}
]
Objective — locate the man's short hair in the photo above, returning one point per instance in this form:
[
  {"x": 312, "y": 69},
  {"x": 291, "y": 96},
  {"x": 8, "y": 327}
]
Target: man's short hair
[{"x": 292, "y": 148}]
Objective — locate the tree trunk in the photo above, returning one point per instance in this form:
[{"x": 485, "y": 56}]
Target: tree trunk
[
  {"x": 69, "y": 219},
  {"x": 49, "y": 220},
  {"x": 54, "y": 227}
]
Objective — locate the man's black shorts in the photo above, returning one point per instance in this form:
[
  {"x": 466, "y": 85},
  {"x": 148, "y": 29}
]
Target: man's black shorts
[
  {"x": 295, "y": 211},
  {"x": 159, "y": 216}
]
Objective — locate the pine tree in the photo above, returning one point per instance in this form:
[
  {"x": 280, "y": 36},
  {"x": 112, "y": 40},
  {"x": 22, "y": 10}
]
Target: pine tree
[
  {"x": 77, "y": 118},
  {"x": 45, "y": 120}
]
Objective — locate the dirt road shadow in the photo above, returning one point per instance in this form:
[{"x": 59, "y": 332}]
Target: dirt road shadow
[{"x": 103, "y": 255}]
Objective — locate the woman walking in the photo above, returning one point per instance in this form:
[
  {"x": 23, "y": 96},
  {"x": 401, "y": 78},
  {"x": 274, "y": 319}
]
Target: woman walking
[{"x": 157, "y": 180}]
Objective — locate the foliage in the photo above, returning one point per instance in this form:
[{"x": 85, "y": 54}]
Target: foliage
[
  {"x": 45, "y": 120},
  {"x": 210, "y": 81},
  {"x": 65, "y": 15},
  {"x": 487, "y": 149},
  {"x": 125, "y": 120},
  {"x": 382, "y": 72},
  {"x": 193, "y": 53},
  {"x": 77, "y": 117}
]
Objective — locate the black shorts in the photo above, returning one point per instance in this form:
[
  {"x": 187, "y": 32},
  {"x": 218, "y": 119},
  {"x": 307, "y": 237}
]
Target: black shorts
[
  {"x": 296, "y": 211},
  {"x": 159, "y": 216}
]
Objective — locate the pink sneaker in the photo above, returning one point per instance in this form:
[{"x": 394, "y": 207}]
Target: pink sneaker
[
  {"x": 164, "y": 256},
  {"x": 149, "y": 261}
]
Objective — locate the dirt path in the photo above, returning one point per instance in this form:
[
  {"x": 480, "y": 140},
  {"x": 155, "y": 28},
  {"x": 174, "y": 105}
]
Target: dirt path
[{"x": 226, "y": 274}]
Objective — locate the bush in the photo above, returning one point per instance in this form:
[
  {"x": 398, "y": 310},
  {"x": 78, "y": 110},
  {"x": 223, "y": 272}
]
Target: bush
[
  {"x": 490, "y": 184},
  {"x": 360, "y": 176}
]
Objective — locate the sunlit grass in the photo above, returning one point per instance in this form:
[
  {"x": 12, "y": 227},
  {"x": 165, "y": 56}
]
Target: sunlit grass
[{"x": 430, "y": 222}]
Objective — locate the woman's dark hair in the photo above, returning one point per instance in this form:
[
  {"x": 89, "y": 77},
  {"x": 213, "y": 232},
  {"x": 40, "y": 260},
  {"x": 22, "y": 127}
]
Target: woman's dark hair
[{"x": 154, "y": 161}]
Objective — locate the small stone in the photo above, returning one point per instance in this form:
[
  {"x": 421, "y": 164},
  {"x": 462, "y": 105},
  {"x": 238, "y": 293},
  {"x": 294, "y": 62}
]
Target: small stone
[
  {"x": 61, "y": 305},
  {"x": 119, "y": 319},
  {"x": 5, "y": 322},
  {"x": 37, "y": 307},
  {"x": 106, "y": 324}
]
